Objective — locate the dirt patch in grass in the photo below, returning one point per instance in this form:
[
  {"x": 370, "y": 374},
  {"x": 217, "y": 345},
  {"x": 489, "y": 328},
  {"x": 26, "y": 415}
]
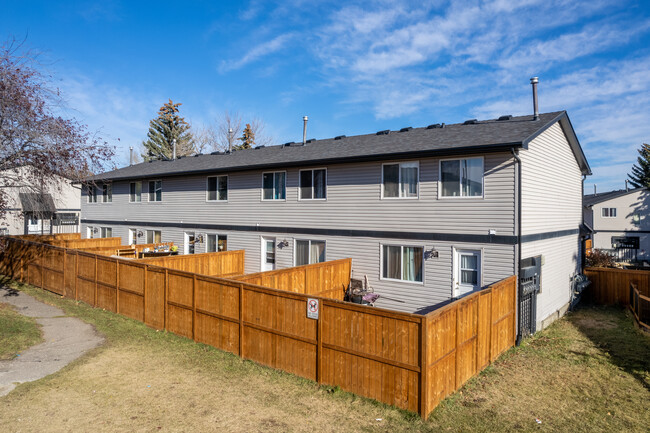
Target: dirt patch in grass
[
  {"x": 575, "y": 376},
  {"x": 17, "y": 332}
]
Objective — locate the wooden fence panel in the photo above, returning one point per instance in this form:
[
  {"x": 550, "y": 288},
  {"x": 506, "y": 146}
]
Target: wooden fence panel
[
  {"x": 131, "y": 289},
  {"x": 224, "y": 263},
  {"x": 155, "y": 298},
  {"x": 372, "y": 352},
  {"x": 503, "y": 316},
  {"x": 70, "y": 274},
  {"x": 217, "y": 318},
  {"x": 180, "y": 303},
  {"x": 610, "y": 286}
]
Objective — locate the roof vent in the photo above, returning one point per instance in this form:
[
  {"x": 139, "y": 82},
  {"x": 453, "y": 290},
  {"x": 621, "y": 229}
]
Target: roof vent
[
  {"x": 216, "y": 153},
  {"x": 338, "y": 137},
  {"x": 470, "y": 122},
  {"x": 384, "y": 132},
  {"x": 198, "y": 154},
  {"x": 436, "y": 126},
  {"x": 289, "y": 144},
  {"x": 506, "y": 117},
  {"x": 311, "y": 140},
  {"x": 261, "y": 146},
  {"x": 408, "y": 128}
]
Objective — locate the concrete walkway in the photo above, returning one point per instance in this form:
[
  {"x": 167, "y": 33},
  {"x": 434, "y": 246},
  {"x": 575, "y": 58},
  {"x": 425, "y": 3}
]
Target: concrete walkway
[{"x": 65, "y": 339}]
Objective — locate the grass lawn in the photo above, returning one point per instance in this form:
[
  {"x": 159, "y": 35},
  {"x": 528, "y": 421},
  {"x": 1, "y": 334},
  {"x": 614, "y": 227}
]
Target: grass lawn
[
  {"x": 17, "y": 332},
  {"x": 586, "y": 373}
]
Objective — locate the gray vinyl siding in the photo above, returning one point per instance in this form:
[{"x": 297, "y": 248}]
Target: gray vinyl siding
[
  {"x": 552, "y": 202},
  {"x": 353, "y": 202}
]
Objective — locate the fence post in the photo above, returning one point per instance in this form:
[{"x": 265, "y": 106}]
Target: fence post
[
  {"x": 40, "y": 263},
  {"x": 241, "y": 320},
  {"x": 194, "y": 307},
  {"x": 319, "y": 344},
  {"x": 22, "y": 269},
  {"x": 95, "y": 298},
  {"x": 456, "y": 349},
  {"x": 117, "y": 286},
  {"x": 144, "y": 295},
  {"x": 76, "y": 273},
  {"x": 515, "y": 282},
  {"x": 166, "y": 296},
  {"x": 424, "y": 364}
]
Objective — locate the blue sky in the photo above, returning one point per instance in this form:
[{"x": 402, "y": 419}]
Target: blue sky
[{"x": 352, "y": 67}]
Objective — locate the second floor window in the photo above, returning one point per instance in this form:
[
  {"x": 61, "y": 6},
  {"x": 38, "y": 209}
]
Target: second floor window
[
  {"x": 400, "y": 180},
  {"x": 609, "y": 212},
  {"x": 107, "y": 193},
  {"x": 135, "y": 192},
  {"x": 218, "y": 188},
  {"x": 92, "y": 193},
  {"x": 313, "y": 184},
  {"x": 274, "y": 186},
  {"x": 461, "y": 177},
  {"x": 155, "y": 190}
]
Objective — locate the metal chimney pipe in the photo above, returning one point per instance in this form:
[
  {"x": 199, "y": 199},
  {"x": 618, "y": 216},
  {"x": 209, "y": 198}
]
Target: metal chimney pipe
[
  {"x": 174, "y": 149},
  {"x": 627, "y": 188},
  {"x": 131, "y": 155},
  {"x": 304, "y": 130},
  {"x": 533, "y": 82},
  {"x": 594, "y": 189},
  {"x": 230, "y": 131}
]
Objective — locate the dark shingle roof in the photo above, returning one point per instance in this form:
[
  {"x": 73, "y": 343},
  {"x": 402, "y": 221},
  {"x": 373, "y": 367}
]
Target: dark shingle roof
[
  {"x": 483, "y": 136},
  {"x": 592, "y": 199}
]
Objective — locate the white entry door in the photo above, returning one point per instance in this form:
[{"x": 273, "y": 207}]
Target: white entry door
[
  {"x": 189, "y": 243},
  {"x": 467, "y": 272},
  {"x": 268, "y": 254},
  {"x": 133, "y": 236}
]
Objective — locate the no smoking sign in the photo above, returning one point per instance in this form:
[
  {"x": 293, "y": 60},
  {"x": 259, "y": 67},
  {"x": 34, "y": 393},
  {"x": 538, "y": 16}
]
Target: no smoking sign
[{"x": 312, "y": 308}]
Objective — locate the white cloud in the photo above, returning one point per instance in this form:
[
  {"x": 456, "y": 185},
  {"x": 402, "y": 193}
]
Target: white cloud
[{"x": 261, "y": 50}]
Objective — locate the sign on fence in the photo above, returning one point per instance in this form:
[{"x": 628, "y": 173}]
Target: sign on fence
[{"x": 312, "y": 308}]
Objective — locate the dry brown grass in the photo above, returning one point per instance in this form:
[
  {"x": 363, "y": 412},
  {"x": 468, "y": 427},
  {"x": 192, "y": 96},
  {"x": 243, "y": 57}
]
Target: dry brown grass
[{"x": 587, "y": 373}]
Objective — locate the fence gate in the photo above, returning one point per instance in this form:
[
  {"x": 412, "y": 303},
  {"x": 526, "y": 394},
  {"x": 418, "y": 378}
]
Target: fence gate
[{"x": 529, "y": 281}]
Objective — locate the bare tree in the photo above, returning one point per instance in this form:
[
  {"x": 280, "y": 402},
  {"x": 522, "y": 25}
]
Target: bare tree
[
  {"x": 225, "y": 132},
  {"x": 32, "y": 135}
]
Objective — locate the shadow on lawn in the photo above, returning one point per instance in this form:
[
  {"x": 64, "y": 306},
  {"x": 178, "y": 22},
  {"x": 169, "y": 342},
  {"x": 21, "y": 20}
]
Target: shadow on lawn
[{"x": 612, "y": 331}]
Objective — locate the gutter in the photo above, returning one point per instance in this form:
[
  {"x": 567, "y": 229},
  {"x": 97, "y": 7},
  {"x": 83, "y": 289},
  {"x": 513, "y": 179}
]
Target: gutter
[{"x": 518, "y": 244}]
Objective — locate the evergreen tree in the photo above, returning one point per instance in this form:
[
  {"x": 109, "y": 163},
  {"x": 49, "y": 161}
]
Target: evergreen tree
[
  {"x": 247, "y": 138},
  {"x": 166, "y": 128},
  {"x": 640, "y": 176}
]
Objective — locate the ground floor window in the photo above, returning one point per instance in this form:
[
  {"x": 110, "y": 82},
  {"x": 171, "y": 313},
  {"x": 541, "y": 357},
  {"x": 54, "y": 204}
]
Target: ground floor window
[
  {"x": 308, "y": 252},
  {"x": 217, "y": 243},
  {"x": 107, "y": 232},
  {"x": 154, "y": 236},
  {"x": 402, "y": 263}
]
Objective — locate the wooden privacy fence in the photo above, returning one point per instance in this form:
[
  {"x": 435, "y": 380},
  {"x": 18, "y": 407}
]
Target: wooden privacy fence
[
  {"x": 52, "y": 237},
  {"x": 224, "y": 263},
  {"x": 113, "y": 250},
  {"x": 610, "y": 286},
  {"x": 86, "y": 243},
  {"x": 407, "y": 360},
  {"x": 327, "y": 279}
]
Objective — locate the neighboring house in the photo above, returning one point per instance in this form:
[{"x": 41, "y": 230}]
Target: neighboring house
[
  {"x": 620, "y": 221},
  {"x": 55, "y": 210},
  {"x": 427, "y": 214}
]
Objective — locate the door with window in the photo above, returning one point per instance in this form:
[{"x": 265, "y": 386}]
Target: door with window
[
  {"x": 467, "y": 276},
  {"x": 268, "y": 254},
  {"x": 190, "y": 238},
  {"x": 133, "y": 236}
]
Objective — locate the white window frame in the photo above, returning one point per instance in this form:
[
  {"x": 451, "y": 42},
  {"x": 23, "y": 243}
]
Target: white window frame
[
  {"x": 399, "y": 180},
  {"x": 89, "y": 232},
  {"x": 609, "y": 212},
  {"x": 381, "y": 263},
  {"x": 207, "y": 190},
  {"x": 207, "y": 235},
  {"x": 295, "y": 256},
  {"x": 456, "y": 251},
  {"x": 102, "y": 232},
  {"x": 134, "y": 183},
  {"x": 90, "y": 194},
  {"x": 285, "y": 186},
  {"x": 461, "y": 197},
  {"x": 300, "y": 198},
  {"x": 108, "y": 198},
  {"x": 154, "y": 191},
  {"x": 133, "y": 236}
]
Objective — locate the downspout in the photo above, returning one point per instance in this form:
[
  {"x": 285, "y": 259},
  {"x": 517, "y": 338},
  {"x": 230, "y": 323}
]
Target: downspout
[{"x": 518, "y": 258}]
